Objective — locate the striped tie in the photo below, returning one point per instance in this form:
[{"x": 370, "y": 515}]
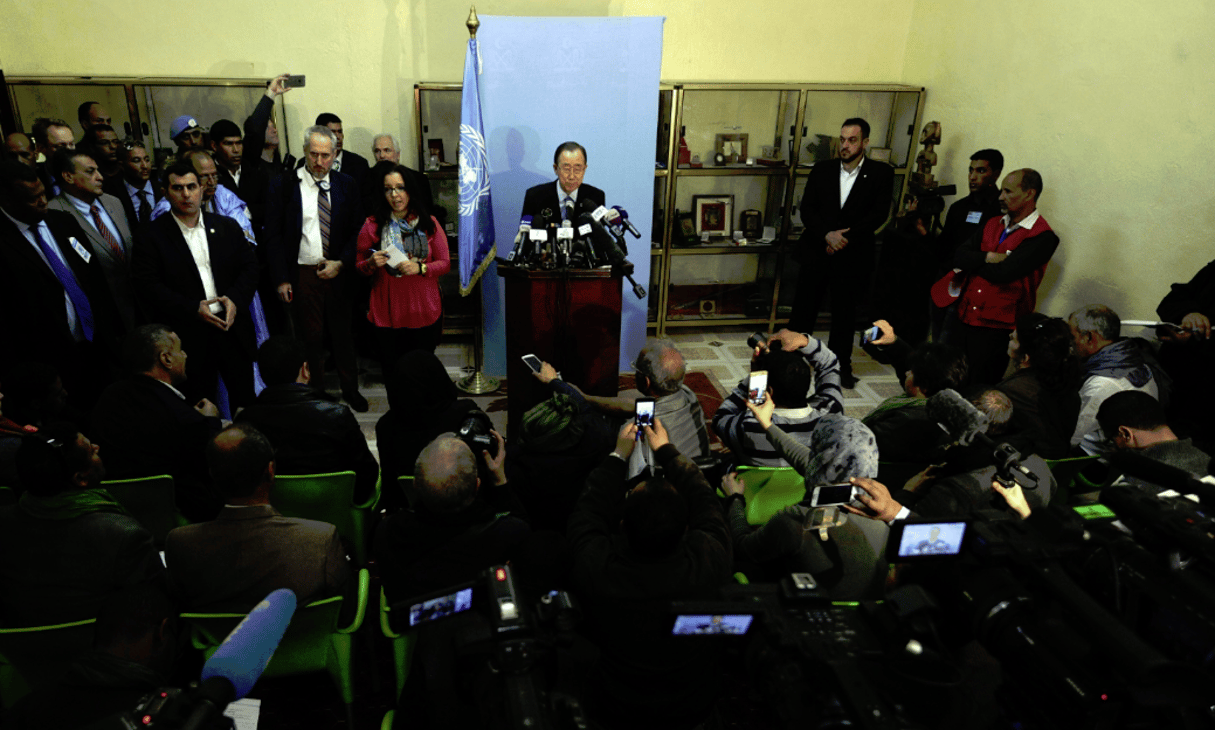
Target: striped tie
[
  {"x": 325, "y": 215},
  {"x": 104, "y": 230}
]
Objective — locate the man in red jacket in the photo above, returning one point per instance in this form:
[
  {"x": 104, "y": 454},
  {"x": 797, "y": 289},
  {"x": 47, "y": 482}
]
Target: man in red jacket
[{"x": 1002, "y": 268}]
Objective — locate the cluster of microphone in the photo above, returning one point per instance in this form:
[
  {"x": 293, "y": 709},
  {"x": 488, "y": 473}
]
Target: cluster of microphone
[{"x": 588, "y": 237}]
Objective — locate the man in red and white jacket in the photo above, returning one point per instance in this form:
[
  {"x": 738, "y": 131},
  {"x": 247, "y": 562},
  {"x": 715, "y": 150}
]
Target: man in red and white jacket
[{"x": 1003, "y": 266}]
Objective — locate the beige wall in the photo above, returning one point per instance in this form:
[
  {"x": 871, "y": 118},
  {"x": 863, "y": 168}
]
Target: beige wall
[
  {"x": 1112, "y": 103},
  {"x": 362, "y": 58}
]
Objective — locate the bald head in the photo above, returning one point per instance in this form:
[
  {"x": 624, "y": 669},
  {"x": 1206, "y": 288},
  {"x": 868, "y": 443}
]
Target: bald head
[
  {"x": 445, "y": 475},
  {"x": 21, "y": 148},
  {"x": 662, "y": 365},
  {"x": 240, "y": 459}
]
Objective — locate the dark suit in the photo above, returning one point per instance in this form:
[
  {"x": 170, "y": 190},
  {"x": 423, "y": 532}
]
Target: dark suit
[
  {"x": 115, "y": 267},
  {"x": 170, "y": 288},
  {"x": 541, "y": 198},
  {"x": 145, "y": 429},
  {"x": 118, "y": 188},
  {"x": 355, "y": 165},
  {"x": 35, "y": 327},
  {"x": 317, "y": 304},
  {"x": 233, "y": 562},
  {"x": 846, "y": 270}
]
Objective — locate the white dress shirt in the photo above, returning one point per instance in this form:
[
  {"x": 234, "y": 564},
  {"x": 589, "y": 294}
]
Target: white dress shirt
[
  {"x": 848, "y": 179},
  {"x": 561, "y": 199},
  {"x": 1027, "y": 222},
  {"x": 73, "y": 322},
  {"x": 196, "y": 239},
  {"x": 311, "y": 250}
]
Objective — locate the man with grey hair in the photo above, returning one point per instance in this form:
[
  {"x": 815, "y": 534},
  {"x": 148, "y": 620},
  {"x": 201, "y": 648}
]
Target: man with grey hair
[
  {"x": 385, "y": 147},
  {"x": 312, "y": 222},
  {"x": 1110, "y": 365}
]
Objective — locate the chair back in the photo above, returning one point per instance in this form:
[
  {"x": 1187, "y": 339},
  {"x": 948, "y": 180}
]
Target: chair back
[
  {"x": 150, "y": 500},
  {"x": 33, "y": 657},
  {"x": 769, "y": 489},
  {"x": 402, "y": 644},
  {"x": 1065, "y": 472},
  {"x": 327, "y": 498}
]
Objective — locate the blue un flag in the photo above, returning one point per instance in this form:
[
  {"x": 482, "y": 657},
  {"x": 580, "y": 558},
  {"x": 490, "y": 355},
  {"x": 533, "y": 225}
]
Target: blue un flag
[{"x": 476, "y": 233}]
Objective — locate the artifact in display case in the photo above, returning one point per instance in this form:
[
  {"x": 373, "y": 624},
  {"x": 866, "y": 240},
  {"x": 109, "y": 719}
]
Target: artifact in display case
[
  {"x": 733, "y": 147},
  {"x": 714, "y": 214}
]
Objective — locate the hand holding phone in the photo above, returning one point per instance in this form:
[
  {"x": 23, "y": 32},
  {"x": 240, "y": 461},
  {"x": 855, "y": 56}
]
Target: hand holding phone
[
  {"x": 757, "y": 387},
  {"x": 532, "y": 362},
  {"x": 643, "y": 414}
]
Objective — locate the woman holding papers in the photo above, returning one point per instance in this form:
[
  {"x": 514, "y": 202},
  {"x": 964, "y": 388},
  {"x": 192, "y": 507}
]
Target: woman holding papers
[{"x": 404, "y": 248}]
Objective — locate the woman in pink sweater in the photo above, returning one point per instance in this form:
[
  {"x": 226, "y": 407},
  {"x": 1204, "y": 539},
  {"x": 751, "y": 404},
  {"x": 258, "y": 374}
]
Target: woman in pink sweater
[{"x": 406, "y": 305}]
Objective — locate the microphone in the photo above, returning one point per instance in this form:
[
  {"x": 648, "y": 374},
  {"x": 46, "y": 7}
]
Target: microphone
[
  {"x": 525, "y": 226},
  {"x": 966, "y": 424},
  {"x": 1162, "y": 475},
  {"x": 623, "y": 216},
  {"x": 243, "y": 656},
  {"x": 602, "y": 241}
]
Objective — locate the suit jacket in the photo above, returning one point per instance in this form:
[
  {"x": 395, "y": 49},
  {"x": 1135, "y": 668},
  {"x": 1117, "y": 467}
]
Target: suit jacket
[
  {"x": 233, "y": 562},
  {"x": 252, "y": 189},
  {"x": 36, "y": 326},
  {"x": 285, "y": 222},
  {"x": 355, "y": 165},
  {"x": 540, "y": 198},
  {"x": 169, "y": 286},
  {"x": 867, "y": 207},
  {"x": 117, "y": 270},
  {"x": 118, "y": 188}
]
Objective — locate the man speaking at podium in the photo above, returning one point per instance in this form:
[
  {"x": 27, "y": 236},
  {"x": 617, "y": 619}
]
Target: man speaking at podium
[{"x": 568, "y": 196}]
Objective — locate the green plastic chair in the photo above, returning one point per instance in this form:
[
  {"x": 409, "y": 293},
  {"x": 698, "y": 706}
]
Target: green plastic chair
[
  {"x": 151, "y": 501},
  {"x": 386, "y": 723},
  {"x": 1066, "y": 472},
  {"x": 315, "y": 640},
  {"x": 769, "y": 489},
  {"x": 402, "y": 646},
  {"x": 33, "y": 657},
  {"x": 328, "y": 498}
]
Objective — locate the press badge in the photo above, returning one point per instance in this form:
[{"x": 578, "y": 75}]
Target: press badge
[
  {"x": 80, "y": 249},
  {"x": 974, "y": 216}
]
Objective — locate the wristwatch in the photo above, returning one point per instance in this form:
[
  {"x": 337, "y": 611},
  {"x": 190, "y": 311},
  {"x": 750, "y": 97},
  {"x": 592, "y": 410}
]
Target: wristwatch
[{"x": 422, "y": 268}]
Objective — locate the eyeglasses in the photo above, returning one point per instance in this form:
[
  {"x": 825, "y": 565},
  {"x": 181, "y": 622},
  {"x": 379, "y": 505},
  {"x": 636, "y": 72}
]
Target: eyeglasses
[
  {"x": 572, "y": 169},
  {"x": 390, "y": 191}
]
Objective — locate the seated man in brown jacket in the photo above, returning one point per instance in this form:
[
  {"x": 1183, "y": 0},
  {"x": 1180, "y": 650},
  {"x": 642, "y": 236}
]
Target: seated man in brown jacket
[{"x": 250, "y": 549}]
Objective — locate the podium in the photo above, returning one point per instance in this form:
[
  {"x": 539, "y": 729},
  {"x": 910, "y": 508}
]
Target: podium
[{"x": 569, "y": 318}]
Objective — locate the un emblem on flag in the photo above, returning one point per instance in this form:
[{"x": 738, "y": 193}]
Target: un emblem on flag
[{"x": 474, "y": 169}]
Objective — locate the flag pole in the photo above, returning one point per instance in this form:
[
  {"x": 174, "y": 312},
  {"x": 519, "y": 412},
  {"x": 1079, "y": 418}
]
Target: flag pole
[{"x": 477, "y": 382}]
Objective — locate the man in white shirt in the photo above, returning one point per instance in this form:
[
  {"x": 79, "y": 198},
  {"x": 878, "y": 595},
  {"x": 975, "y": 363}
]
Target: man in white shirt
[{"x": 197, "y": 273}]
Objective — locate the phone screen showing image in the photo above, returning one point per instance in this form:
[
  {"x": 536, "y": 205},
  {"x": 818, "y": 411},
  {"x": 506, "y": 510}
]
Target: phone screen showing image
[
  {"x": 831, "y": 495},
  {"x": 757, "y": 387},
  {"x": 643, "y": 413},
  {"x": 870, "y": 335}
]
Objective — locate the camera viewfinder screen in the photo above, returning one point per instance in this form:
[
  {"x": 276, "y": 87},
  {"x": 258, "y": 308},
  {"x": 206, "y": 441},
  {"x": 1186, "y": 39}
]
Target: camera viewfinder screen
[
  {"x": 437, "y": 608},
  {"x": 934, "y": 538},
  {"x": 712, "y": 625},
  {"x": 644, "y": 410}
]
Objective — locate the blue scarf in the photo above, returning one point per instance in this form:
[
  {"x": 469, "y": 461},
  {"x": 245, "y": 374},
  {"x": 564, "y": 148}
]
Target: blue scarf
[
  {"x": 1132, "y": 360},
  {"x": 408, "y": 239}
]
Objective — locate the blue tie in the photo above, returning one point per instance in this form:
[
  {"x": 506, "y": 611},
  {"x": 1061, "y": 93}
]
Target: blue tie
[
  {"x": 84, "y": 312},
  {"x": 1004, "y": 235},
  {"x": 567, "y": 208}
]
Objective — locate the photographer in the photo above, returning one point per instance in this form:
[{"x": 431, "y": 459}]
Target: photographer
[{"x": 674, "y": 545}]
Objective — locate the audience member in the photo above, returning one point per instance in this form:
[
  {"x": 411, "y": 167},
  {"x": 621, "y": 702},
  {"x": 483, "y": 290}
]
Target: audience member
[
  {"x": 54, "y": 290},
  {"x": 1002, "y": 269},
  {"x": 67, "y": 546},
  {"x": 92, "y": 114},
  {"x": 789, "y": 382},
  {"x": 50, "y": 135},
  {"x": 634, "y": 547},
  {"x": 138, "y": 192},
  {"x": 384, "y": 148},
  {"x": 1044, "y": 386},
  {"x": 103, "y": 220},
  {"x": 147, "y": 426},
  {"x": 344, "y": 161},
  {"x": 310, "y": 434},
  {"x": 36, "y": 397},
  {"x": 250, "y": 550},
  {"x": 312, "y": 222},
  {"x": 1135, "y": 421},
  {"x": 422, "y": 403},
  {"x": 21, "y": 148},
  {"x": 186, "y": 134},
  {"x": 102, "y": 144},
  {"x": 1109, "y": 364},
  {"x": 134, "y": 648},
  {"x": 197, "y": 273},
  {"x": 1188, "y": 355}
]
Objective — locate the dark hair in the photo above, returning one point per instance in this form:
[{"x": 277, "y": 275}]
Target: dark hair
[
  {"x": 64, "y": 161},
  {"x": 13, "y": 172},
  {"x": 789, "y": 375},
  {"x": 998, "y": 408},
  {"x": 1098, "y": 319},
  {"x": 655, "y": 518},
  {"x": 1131, "y": 408},
  {"x": 937, "y": 366},
  {"x": 857, "y": 122},
  {"x": 47, "y": 461},
  {"x": 1031, "y": 180},
  {"x": 88, "y": 142},
  {"x": 223, "y": 129},
  {"x": 28, "y": 388},
  {"x": 237, "y": 470},
  {"x": 178, "y": 168},
  {"x": 417, "y": 203},
  {"x": 324, "y": 119},
  {"x": 142, "y": 347},
  {"x": 445, "y": 475},
  {"x": 569, "y": 147},
  {"x": 125, "y": 150},
  {"x": 992, "y": 157},
  {"x": 1047, "y": 341},
  {"x": 82, "y": 113},
  {"x": 280, "y": 358}
]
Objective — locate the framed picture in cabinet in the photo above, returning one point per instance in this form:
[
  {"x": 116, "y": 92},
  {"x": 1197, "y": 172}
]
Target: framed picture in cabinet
[{"x": 713, "y": 214}]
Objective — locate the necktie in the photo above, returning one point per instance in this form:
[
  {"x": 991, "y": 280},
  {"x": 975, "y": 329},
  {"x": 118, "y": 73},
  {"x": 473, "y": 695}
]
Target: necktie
[
  {"x": 567, "y": 208},
  {"x": 1004, "y": 235},
  {"x": 325, "y": 214},
  {"x": 104, "y": 230},
  {"x": 145, "y": 207},
  {"x": 84, "y": 311}
]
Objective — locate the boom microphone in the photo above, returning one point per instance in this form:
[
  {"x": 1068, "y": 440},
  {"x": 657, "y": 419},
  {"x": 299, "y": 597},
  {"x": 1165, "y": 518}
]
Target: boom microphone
[
  {"x": 243, "y": 656},
  {"x": 1163, "y": 475},
  {"x": 965, "y": 424}
]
